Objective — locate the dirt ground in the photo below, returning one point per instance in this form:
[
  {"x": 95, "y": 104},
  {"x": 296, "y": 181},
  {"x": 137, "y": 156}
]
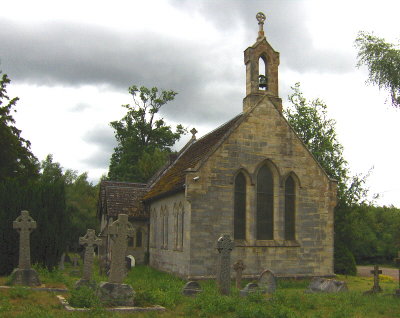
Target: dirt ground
[{"x": 366, "y": 271}]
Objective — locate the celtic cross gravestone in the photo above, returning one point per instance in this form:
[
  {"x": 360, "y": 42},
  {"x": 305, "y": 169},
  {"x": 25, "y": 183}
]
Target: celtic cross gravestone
[
  {"x": 89, "y": 241},
  {"x": 376, "y": 271},
  {"x": 114, "y": 292},
  {"x": 24, "y": 274},
  {"x": 224, "y": 246}
]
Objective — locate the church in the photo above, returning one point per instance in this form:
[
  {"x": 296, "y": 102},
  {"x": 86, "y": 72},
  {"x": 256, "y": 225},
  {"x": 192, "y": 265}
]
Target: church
[{"x": 251, "y": 178}]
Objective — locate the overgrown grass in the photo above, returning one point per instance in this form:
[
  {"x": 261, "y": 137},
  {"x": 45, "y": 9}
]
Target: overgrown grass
[{"x": 153, "y": 287}]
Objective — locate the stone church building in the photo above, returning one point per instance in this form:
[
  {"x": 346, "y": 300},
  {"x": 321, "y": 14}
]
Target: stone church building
[{"x": 251, "y": 178}]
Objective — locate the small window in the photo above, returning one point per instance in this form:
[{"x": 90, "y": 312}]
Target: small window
[
  {"x": 290, "y": 202},
  {"x": 239, "y": 229},
  {"x": 265, "y": 204}
]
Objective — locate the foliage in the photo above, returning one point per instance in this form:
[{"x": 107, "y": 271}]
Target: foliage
[
  {"x": 310, "y": 121},
  {"x": 141, "y": 134},
  {"x": 16, "y": 159},
  {"x": 84, "y": 297},
  {"x": 344, "y": 260},
  {"x": 383, "y": 62}
]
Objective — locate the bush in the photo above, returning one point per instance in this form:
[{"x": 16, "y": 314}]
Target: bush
[
  {"x": 344, "y": 262},
  {"x": 84, "y": 297}
]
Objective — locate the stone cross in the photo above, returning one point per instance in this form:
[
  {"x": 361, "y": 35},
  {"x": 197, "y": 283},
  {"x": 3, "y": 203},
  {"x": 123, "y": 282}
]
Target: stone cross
[
  {"x": 89, "y": 241},
  {"x": 238, "y": 267},
  {"x": 194, "y": 132},
  {"x": 260, "y": 18},
  {"x": 24, "y": 224},
  {"x": 224, "y": 246},
  {"x": 119, "y": 230},
  {"x": 376, "y": 288}
]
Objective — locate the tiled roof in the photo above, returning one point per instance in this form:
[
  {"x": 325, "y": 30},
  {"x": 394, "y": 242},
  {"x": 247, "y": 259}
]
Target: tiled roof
[
  {"x": 122, "y": 197},
  {"x": 173, "y": 178}
]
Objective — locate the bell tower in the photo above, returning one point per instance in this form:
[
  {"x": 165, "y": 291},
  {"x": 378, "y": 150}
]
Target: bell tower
[{"x": 262, "y": 63}]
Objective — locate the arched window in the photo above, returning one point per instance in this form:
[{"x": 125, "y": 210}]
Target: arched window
[
  {"x": 139, "y": 238},
  {"x": 239, "y": 229},
  {"x": 262, "y": 73},
  {"x": 130, "y": 241},
  {"x": 265, "y": 204},
  {"x": 290, "y": 200}
]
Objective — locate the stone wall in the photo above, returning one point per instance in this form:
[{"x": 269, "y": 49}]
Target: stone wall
[
  {"x": 171, "y": 256},
  {"x": 264, "y": 137}
]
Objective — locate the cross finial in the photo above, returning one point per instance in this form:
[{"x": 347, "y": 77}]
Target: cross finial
[
  {"x": 194, "y": 132},
  {"x": 260, "y": 18}
]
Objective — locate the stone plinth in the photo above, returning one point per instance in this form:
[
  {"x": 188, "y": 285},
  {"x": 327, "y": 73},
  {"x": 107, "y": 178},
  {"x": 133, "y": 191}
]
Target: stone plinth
[
  {"x": 114, "y": 294},
  {"x": 322, "y": 285},
  {"x": 25, "y": 277}
]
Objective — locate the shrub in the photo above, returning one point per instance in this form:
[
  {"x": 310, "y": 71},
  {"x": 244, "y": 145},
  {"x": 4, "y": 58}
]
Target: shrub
[
  {"x": 84, "y": 297},
  {"x": 344, "y": 262}
]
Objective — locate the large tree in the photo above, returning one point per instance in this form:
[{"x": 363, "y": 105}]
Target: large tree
[
  {"x": 310, "y": 121},
  {"x": 142, "y": 135},
  {"x": 16, "y": 159},
  {"x": 383, "y": 62}
]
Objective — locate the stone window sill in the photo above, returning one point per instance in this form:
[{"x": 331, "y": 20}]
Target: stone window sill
[{"x": 267, "y": 243}]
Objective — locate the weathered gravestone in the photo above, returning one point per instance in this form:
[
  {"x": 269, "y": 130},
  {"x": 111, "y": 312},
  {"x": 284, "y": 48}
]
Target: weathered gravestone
[
  {"x": 267, "y": 281},
  {"x": 323, "y": 285},
  {"x": 114, "y": 292},
  {"x": 376, "y": 288},
  {"x": 224, "y": 246},
  {"x": 191, "y": 289},
  {"x": 89, "y": 241},
  {"x": 75, "y": 266},
  {"x": 249, "y": 289},
  {"x": 61, "y": 266},
  {"x": 239, "y": 267},
  {"x": 24, "y": 274}
]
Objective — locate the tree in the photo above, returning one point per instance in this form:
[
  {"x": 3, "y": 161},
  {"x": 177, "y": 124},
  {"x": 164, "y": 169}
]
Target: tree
[
  {"x": 383, "y": 62},
  {"x": 142, "y": 134},
  {"x": 317, "y": 131},
  {"x": 16, "y": 159}
]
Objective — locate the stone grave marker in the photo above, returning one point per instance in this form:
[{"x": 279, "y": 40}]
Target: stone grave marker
[
  {"x": 323, "y": 285},
  {"x": 61, "y": 266},
  {"x": 224, "y": 246},
  {"x": 114, "y": 292},
  {"x": 267, "y": 281},
  {"x": 250, "y": 288},
  {"x": 24, "y": 274},
  {"x": 75, "y": 266},
  {"x": 191, "y": 289},
  {"x": 239, "y": 267},
  {"x": 397, "y": 261},
  {"x": 376, "y": 288},
  {"x": 88, "y": 241}
]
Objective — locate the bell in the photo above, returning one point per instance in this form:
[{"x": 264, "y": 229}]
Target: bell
[{"x": 262, "y": 81}]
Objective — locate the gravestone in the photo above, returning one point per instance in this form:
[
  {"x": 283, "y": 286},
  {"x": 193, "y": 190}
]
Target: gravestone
[
  {"x": 267, "y": 281},
  {"x": 191, "y": 289},
  {"x": 249, "y": 289},
  {"x": 24, "y": 274},
  {"x": 323, "y": 285},
  {"x": 114, "y": 292},
  {"x": 75, "y": 269},
  {"x": 376, "y": 288},
  {"x": 224, "y": 246},
  {"x": 61, "y": 266},
  {"x": 130, "y": 262},
  {"x": 88, "y": 241},
  {"x": 239, "y": 267},
  {"x": 397, "y": 261}
]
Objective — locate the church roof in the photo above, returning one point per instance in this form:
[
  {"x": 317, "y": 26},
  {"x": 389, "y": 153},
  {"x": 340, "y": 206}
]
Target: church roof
[
  {"x": 173, "y": 178},
  {"x": 122, "y": 197}
]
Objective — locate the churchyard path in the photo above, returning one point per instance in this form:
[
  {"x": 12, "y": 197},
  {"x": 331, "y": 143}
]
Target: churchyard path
[{"x": 366, "y": 271}]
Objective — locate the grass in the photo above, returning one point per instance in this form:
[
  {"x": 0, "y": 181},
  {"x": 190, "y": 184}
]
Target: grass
[{"x": 154, "y": 287}]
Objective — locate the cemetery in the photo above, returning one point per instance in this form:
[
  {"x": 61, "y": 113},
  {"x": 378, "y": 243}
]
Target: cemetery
[{"x": 77, "y": 289}]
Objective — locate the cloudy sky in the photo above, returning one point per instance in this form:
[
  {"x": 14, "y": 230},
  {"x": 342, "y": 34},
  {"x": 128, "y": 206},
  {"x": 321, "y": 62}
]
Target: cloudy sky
[{"x": 71, "y": 63}]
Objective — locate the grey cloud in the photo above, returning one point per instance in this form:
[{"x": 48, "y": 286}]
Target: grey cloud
[
  {"x": 103, "y": 138},
  {"x": 80, "y": 107}
]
